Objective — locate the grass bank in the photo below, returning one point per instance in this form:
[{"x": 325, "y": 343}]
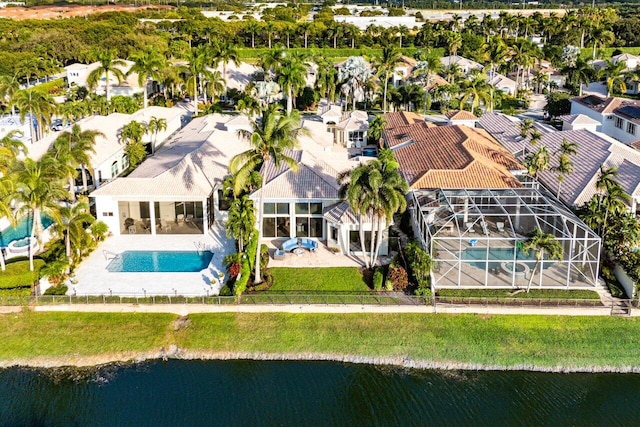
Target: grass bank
[
  {"x": 508, "y": 293},
  {"x": 441, "y": 340}
]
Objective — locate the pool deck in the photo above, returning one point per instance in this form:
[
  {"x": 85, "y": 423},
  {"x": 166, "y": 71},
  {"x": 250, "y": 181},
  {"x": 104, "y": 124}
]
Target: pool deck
[{"x": 93, "y": 278}]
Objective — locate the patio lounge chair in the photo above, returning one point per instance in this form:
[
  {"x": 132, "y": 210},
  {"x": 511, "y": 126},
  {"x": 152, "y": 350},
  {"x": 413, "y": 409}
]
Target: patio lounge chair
[
  {"x": 309, "y": 244},
  {"x": 188, "y": 218},
  {"x": 473, "y": 242},
  {"x": 290, "y": 245},
  {"x": 180, "y": 219},
  {"x": 500, "y": 226},
  {"x": 470, "y": 228},
  {"x": 485, "y": 228}
]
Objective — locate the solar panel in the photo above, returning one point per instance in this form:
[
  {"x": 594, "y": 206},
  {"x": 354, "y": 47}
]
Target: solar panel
[
  {"x": 592, "y": 100},
  {"x": 631, "y": 111}
]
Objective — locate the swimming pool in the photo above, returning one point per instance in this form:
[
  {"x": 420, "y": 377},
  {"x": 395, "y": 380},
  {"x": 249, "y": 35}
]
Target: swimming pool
[
  {"x": 21, "y": 230},
  {"x": 477, "y": 257},
  {"x": 160, "y": 261}
]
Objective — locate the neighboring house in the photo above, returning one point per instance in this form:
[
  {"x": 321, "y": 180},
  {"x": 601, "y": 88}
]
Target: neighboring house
[
  {"x": 594, "y": 149},
  {"x": 497, "y": 80},
  {"x": 448, "y": 156},
  {"x": 351, "y": 130},
  {"x": 472, "y": 214},
  {"x": 631, "y": 64},
  {"x": 11, "y": 123},
  {"x": 110, "y": 160},
  {"x": 619, "y": 118},
  {"x": 403, "y": 70},
  {"x": 578, "y": 122},
  {"x": 77, "y": 74},
  {"x": 238, "y": 75},
  {"x": 179, "y": 190},
  {"x": 461, "y": 118}
]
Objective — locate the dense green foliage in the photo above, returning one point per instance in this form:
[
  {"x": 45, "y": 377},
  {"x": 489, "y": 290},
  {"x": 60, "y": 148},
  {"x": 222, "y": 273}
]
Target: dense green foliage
[{"x": 18, "y": 275}]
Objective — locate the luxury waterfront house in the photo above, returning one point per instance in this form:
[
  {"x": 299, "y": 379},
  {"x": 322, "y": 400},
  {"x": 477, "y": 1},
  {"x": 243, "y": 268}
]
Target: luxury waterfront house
[
  {"x": 179, "y": 189},
  {"x": 473, "y": 207}
]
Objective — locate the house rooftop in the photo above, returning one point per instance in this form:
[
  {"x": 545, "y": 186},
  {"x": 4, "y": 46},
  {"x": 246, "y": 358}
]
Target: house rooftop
[
  {"x": 461, "y": 115},
  {"x": 449, "y": 156},
  {"x": 599, "y": 104},
  {"x": 578, "y": 119},
  {"x": 594, "y": 149}
]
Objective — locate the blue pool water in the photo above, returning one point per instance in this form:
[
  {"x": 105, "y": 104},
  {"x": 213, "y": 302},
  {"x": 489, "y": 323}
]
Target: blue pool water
[
  {"x": 21, "y": 230},
  {"x": 477, "y": 256},
  {"x": 160, "y": 261}
]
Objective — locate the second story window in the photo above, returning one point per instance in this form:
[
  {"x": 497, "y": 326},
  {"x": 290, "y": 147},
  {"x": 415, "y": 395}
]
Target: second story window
[
  {"x": 618, "y": 122},
  {"x": 631, "y": 128}
]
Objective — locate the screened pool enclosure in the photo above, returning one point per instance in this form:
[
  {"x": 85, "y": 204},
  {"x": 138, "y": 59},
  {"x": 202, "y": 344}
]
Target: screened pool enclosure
[{"x": 476, "y": 239}]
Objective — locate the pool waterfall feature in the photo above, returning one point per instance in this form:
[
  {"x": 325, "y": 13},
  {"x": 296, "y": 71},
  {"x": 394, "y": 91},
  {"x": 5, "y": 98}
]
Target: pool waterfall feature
[{"x": 17, "y": 241}]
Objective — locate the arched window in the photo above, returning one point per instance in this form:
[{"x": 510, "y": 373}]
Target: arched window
[
  {"x": 125, "y": 162},
  {"x": 114, "y": 169}
]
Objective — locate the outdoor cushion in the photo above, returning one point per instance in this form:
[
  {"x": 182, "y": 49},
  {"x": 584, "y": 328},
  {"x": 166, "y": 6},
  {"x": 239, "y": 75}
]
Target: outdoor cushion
[{"x": 290, "y": 245}]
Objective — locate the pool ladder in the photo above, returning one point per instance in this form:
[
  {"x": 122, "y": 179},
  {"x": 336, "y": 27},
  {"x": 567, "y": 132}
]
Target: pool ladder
[{"x": 110, "y": 255}]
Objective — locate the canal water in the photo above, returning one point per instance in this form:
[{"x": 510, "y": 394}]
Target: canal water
[{"x": 279, "y": 393}]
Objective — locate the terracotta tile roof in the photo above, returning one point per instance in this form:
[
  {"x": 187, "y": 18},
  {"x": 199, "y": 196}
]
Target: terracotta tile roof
[
  {"x": 635, "y": 144},
  {"x": 449, "y": 156},
  {"x": 461, "y": 115},
  {"x": 395, "y": 131}
]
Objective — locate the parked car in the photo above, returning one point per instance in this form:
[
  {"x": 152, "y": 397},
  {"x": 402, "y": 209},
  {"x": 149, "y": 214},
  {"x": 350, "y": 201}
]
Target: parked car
[{"x": 58, "y": 125}]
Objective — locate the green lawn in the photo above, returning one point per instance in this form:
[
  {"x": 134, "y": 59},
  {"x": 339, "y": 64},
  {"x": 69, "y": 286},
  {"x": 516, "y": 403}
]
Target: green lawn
[
  {"x": 338, "y": 279},
  {"x": 505, "y": 293},
  {"x": 545, "y": 341}
]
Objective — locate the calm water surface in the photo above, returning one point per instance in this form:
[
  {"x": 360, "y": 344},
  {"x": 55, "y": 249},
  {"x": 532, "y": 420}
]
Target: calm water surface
[{"x": 248, "y": 393}]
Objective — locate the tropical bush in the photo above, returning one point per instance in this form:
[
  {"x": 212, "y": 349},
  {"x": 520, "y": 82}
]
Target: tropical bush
[
  {"x": 398, "y": 279},
  {"x": 378, "y": 279},
  {"x": 57, "y": 290}
]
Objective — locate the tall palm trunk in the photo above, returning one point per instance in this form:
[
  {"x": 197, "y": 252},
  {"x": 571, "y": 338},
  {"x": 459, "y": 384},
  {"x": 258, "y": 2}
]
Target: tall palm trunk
[
  {"x": 381, "y": 223},
  {"x": 72, "y": 188},
  {"x": 195, "y": 96},
  {"x": 361, "y": 235},
  {"x": 289, "y": 100},
  {"x": 3, "y": 265},
  {"x": 257, "y": 278},
  {"x": 386, "y": 83},
  {"x": 533, "y": 273},
  {"x": 253, "y": 40},
  {"x": 106, "y": 81},
  {"x": 145, "y": 98},
  {"x": 372, "y": 244},
  {"x": 306, "y": 36},
  {"x": 85, "y": 184},
  {"x": 34, "y": 233}
]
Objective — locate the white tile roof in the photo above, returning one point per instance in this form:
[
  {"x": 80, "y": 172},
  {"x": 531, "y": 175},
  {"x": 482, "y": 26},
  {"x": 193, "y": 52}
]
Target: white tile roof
[
  {"x": 188, "y": 166},
  {"x": 594, "y": 149},
  {"x": 578, "y": 119}
]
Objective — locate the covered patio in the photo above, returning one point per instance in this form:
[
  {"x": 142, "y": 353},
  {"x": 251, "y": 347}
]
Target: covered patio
[{"x": 476, "y": 238}]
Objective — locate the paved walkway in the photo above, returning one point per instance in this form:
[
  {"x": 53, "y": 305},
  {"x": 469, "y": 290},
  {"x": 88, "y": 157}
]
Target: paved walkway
[{"x": 185, "y": 309}]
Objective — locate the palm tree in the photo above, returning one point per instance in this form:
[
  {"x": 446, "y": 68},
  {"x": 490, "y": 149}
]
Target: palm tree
[
  {"x": 225, "y": 53},
  {"x": 357, "y": 189},
  {"x": 196, "y": 69},
  {"x": 427, "y": 65},
  {"x": 155, "y": 126},
  {"x": 390, "y": 194},
  {"x": 376, "y": 128},
  {"x": 526, "y": 129},
  {"x": 602, "y": 36},
  {"x": 478, "y": 90},
  {"x": 292, "y": 77},
  {"x": 40, "y": 107},
  {"x": 131, "y": 134},
  {"x": 9, "y": 85},
  {"x": 537, "y": 161},
  {"x": 541, "y": 243},
  {"x": 109, "y": 64},
  {"x": 241, "y": 221},
  {"x": 334, "y": 30},
  {"x": 453, "y": 41},
  {"x": 535, "y": 136},
  {"x": 567, "y": 148},
  {"x": 580, "y": 74},
  {"x": 565, "y": 167},
  {"x": 386, "y": 64},
  {"x": 613, "y": 75},
  {"x": 273, "y": 134},
  {"x": 72, "y": 222},
  {"x": 326, "y": 79},
  {"x": 36, "y": 189},
  {"x": 73, "y": 149},
  {"x": 10, "y": 148},
  {"x": 354, "y": 73},
  {"x": 270, "y": 61},
  {"x": 612, "y": 198},
  {"x": 6, "y": 189},
  {"x": 147, "y": 64},
  {"x": 253, "y": 27}
]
